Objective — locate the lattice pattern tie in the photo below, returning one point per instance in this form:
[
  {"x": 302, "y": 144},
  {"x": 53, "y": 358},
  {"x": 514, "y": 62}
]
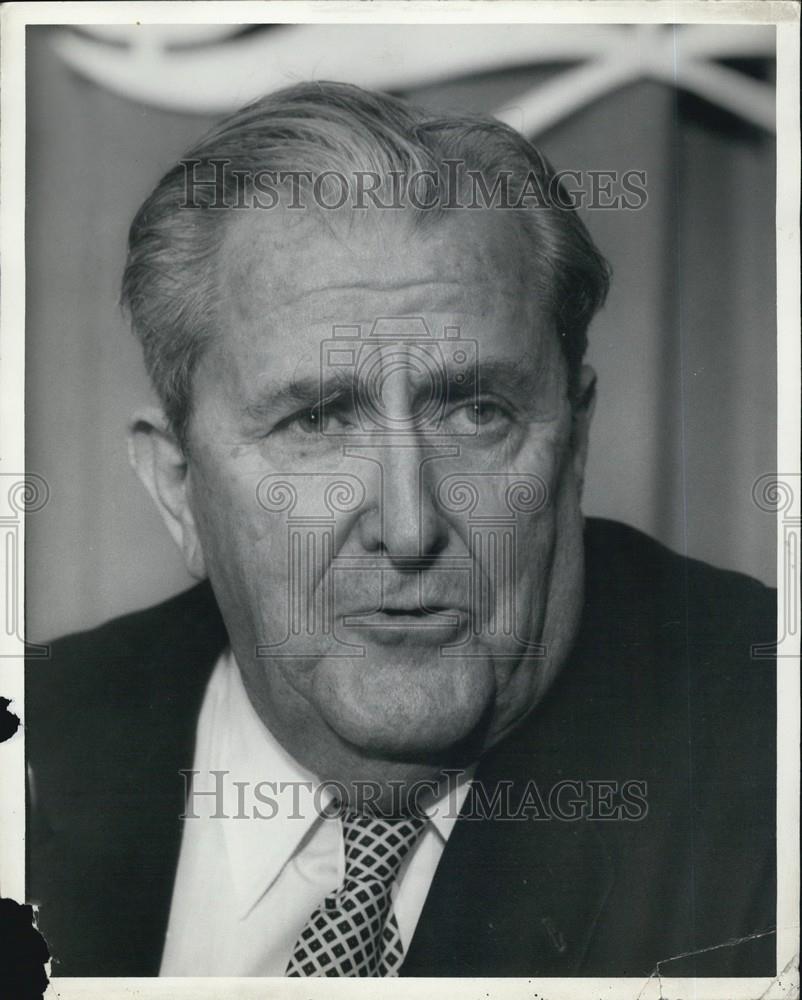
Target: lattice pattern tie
[{"x": 354, "y": 931}]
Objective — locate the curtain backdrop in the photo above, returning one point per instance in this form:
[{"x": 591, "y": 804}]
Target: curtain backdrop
[{"x": 685, "y": 349}]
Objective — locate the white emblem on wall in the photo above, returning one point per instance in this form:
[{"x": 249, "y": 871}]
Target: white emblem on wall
[{"x": 217, "y": 68}]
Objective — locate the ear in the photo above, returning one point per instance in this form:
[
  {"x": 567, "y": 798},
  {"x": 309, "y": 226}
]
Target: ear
[
  {"x": 161, "y": 464},
  {"x": 583, "y": 409}
]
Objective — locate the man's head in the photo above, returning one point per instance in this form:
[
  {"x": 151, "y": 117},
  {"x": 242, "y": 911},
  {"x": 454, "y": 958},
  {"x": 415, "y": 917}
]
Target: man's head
[{"x": 374, "y": 417}]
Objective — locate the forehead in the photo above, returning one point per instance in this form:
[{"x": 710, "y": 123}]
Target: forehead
[
  {"x": 288, "y": 278},
  {"x": 274, "y": 259}
]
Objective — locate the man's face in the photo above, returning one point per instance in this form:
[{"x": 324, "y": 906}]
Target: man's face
[{"x": 390, "y": 520}]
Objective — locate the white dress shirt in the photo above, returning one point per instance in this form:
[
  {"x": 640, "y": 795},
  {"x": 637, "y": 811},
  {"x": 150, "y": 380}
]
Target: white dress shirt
[{"x": 246, "y": 884}]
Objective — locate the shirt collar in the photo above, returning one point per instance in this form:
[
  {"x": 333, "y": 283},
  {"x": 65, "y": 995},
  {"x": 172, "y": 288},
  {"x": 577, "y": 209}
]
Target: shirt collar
[
  {"x": 442, "y": 806},
  {"x": 278, "y": 798},
  {"x": 259, "y": 848}
]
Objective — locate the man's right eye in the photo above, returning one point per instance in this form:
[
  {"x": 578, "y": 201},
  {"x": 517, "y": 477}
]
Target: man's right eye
[
  {"x": 307, "y": 421},
  {"x": 314, "y": 420}
]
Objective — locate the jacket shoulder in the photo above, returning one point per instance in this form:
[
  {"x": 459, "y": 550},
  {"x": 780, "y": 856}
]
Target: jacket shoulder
[
  {"x": 110, "y": 722},
  {"x": 177, "y": 628},
  {"x": 631, "y": 570},
  {"x": 113, "y": 683}
]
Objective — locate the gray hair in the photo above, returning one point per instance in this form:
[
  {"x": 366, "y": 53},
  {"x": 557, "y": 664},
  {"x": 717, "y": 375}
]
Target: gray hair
[{"x": 169, "y": 285}]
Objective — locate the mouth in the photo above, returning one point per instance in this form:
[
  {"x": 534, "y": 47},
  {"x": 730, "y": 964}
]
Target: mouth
[
  {"x": 436, "y": 613},
  {"x": 393, "y": 622}
]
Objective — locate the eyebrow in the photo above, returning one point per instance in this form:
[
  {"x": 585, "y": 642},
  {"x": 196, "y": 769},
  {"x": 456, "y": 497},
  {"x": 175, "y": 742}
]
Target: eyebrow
[
  {"x": 516, "y": 378},
  {"x": 301, "y": 391},
  {"x": 519, "y": 378}
]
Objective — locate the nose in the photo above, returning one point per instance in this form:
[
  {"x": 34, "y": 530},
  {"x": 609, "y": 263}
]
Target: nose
[{"x": 404, "y": 524}]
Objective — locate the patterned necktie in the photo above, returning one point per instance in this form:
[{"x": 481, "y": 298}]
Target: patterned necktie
[{"x": 354, "y": 931}]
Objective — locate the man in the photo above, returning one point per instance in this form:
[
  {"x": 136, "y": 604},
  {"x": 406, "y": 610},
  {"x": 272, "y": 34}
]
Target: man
[{"x": 417, "y": 717}]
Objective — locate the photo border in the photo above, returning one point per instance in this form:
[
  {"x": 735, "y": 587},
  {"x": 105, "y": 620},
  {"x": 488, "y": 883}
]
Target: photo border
[{"x": 785, "y": 15}]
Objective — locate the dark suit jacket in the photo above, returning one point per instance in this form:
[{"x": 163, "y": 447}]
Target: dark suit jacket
[{"x": 660, "y": 689}]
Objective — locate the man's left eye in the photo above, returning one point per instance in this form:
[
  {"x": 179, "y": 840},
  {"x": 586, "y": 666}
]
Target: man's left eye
[
  {"x": 480, "y": 413},
  {"x": 486, "y": 413}
]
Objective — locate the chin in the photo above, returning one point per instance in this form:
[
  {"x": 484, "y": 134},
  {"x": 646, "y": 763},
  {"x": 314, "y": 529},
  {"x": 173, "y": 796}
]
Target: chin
[{"x": 406, "y": 711}]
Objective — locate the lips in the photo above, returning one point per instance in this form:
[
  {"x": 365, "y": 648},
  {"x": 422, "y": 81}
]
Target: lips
[
  {"x": 405, "y": 617},
  {"x": 396, "y": 625},
  {"x": 415, "y": 609},
  {"x": 390, "y": 605},
  {"x": 402, "y": 611},
  {"x": 415, "y": 614}
]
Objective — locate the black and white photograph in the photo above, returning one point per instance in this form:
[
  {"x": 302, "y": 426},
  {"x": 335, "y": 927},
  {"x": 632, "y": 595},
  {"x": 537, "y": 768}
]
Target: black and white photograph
[{"x": 401, "y": 499}]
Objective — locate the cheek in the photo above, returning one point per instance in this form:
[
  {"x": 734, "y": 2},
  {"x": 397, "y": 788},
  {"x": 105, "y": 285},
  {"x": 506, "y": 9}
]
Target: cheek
[
  {"x": 241, "y": 540},
  {"x": 547, "y": 463},
  {"x": 549, "y": 569},
  {"x": 220, "y": 508},
  {"x": 537, "y": 552}
]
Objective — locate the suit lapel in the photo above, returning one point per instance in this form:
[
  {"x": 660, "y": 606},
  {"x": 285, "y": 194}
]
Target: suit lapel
[
  {"x": 522, "y": 896},
  {"x": 516, "y": 893}
]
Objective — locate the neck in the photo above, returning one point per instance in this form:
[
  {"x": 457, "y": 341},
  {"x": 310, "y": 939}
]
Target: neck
[{"x": 365, "y": 779}]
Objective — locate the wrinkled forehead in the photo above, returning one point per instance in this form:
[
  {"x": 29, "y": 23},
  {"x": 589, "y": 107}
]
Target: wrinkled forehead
[{"x": 474, "y": 263}]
